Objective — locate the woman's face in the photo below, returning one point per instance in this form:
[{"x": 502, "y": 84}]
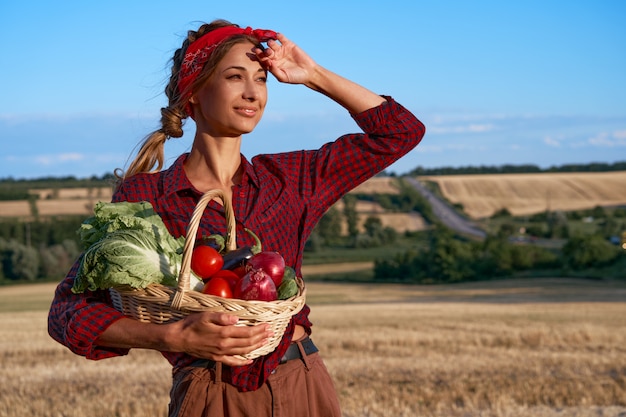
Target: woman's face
[{"x": 233, "y": 99}]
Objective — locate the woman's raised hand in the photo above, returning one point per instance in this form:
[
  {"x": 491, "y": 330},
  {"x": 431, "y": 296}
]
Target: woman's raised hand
[{"x": 286, "y": 61}]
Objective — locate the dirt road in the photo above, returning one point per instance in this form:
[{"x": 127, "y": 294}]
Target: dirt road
[{"x": 447, "y": 215}]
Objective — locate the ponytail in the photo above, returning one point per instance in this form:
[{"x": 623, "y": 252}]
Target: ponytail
[{"x": 151, "y": 155}]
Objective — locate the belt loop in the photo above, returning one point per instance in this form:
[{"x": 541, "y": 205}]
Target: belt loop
[
  {"x": 218, "y": 371},
  {"x": 303, "y": 355}
]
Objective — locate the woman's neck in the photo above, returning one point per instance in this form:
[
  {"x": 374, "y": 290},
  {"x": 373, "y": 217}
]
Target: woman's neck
[{"x": 214, "y": 164}]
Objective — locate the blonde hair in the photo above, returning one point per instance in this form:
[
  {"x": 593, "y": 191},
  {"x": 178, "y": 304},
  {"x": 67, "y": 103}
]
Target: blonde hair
[{"x": 150, "y": 156}]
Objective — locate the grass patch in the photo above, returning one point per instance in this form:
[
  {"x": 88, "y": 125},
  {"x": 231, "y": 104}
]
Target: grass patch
[{"x": 340, "y": 254}]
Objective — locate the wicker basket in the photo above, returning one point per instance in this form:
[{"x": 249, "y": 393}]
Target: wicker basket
[{"x": 162, "y": 304}]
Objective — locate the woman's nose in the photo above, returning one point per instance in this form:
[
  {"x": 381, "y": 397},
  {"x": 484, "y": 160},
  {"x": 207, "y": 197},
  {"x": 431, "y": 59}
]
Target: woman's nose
[{"x": 251, "y": 91}]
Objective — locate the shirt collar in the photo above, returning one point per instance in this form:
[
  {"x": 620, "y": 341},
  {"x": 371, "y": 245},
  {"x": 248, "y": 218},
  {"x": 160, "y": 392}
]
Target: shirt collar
[
  {"x": 248, "y": 175},
  {"x": 175, "y": 179}
]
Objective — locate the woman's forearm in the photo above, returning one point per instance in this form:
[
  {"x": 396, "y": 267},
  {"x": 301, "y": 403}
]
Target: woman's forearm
[
  {"x": 128, "y": 333},
  {"x": 352, "y": 96}
]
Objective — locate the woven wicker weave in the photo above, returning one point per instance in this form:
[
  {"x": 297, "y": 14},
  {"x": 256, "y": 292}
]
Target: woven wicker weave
[{"x": 162, "y": 304}]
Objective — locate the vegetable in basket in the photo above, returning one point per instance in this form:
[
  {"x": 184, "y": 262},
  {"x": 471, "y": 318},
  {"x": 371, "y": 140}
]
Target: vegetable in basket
[
  {"x": 256, "y": 285},
  {"x": 206, "y": 261},
  {"x": 127, "y": 244},
  {"x": 272, "y": 263},
  {"x": 288, "y": 287},
  {"x": 229, "y": 276},
  {"x": 237, "y": 258},
  {"x": 218, "y": 286}
]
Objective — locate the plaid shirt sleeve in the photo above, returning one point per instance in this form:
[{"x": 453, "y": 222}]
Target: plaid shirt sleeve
[
  {"x": 391, "y": 131},
  {"x": 76, "y": 320}
]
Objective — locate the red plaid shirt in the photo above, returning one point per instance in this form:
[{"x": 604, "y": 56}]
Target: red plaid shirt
[{"x": 281, "y": 198}]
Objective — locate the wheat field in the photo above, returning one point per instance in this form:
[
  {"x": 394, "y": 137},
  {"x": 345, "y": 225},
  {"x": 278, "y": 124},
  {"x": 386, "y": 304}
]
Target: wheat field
[
  {"x": 546, "y": 348},
  {"x": 401, "y": 222},
  {"x": 522, "y": 194}
]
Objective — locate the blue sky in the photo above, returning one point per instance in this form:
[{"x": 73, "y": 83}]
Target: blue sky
[{"x": 495, "y": 82}]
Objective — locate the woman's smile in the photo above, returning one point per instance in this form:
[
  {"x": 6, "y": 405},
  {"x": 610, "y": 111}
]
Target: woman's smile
[{"x": 246, "y": 111}]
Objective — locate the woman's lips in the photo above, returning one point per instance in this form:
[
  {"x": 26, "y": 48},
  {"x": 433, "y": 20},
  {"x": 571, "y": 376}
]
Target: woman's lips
[{"x": 246, "y": 111}]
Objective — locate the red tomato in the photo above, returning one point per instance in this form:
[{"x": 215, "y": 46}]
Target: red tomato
[
  {"x": 230, "y": 277},
  {"x": 240, "y": 271},
  {"x": 205, "y": 261},
  {"x": 218, "y": 286}
]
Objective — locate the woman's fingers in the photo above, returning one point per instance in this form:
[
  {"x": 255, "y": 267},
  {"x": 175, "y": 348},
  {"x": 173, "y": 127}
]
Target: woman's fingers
[{"x": 217, "y": 335}]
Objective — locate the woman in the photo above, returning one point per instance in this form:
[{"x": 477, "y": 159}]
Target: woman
[{"x": 219, "y": 80}]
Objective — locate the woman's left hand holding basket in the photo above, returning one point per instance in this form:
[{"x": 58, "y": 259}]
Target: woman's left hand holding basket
[{"x": 207, "y": 335}]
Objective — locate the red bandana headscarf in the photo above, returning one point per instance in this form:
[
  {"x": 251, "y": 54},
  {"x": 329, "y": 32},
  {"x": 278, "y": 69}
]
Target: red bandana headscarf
[{"x": 199, "y": 51}]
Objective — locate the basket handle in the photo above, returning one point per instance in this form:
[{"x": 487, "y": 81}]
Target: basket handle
[{"x": 190, "y": 240}]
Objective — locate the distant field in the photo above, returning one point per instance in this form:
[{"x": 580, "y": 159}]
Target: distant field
[
  {"x": 521, "y": 194},
  {"x": 103, "y": 193},
  {"x": 517, "y": 348},
  {"x": 481, "y": 196},
  {"x": 401, "y": 222},
  {"x": 381, "y": 185},
  {"x": 18, "y": 208},
  {"x": 81, "y": 201},
  {"x": 57, "y": 202}
]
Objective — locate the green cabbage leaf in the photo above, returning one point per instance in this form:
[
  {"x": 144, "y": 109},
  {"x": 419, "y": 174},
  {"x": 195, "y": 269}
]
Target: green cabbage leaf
[{"x": 127, "y": 244}]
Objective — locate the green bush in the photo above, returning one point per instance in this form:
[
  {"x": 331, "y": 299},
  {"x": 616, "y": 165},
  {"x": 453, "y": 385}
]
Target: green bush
[
  {"x": 589, "y": 252},
  {"x": 18, "y": 262}
]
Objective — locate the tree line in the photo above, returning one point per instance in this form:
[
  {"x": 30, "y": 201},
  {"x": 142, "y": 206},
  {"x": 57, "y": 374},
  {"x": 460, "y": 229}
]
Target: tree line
[
  {"x": 450, "y": 259},
  {"x": 39, "y": 249},
  {"x": 519, "y": 169}
]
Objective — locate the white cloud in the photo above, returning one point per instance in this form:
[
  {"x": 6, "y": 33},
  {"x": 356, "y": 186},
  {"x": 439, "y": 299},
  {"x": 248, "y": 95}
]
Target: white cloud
[
  {"x": 471, "y": 128},
  {"x": 67, "y": 157},
  {"x": 455, "y": 147},
  {"x": 609, "y": 140},
  {"x": 551, "y": 141},
  {"x": 579, "y": 144},
  {"x": 57, "y": 159},
  {"x": 68, "y": 118},
  {"x": 61, "y": 159},
  {"x": 620, "y": 135},
  {"x": 601, "y": 139}
]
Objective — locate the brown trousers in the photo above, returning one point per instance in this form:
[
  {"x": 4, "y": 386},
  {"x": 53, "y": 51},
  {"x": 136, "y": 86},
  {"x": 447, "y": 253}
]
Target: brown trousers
[{"x": 298, "y": 388}]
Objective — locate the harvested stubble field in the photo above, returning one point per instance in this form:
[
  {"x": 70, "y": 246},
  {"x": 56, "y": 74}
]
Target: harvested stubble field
[
  {"x": 521, "y": 194},
  {"x": 543, "y": 348}
]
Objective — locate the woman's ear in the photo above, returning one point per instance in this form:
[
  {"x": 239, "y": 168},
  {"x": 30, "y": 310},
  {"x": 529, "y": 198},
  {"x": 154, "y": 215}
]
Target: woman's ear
[{"x": 193, "y": 99}]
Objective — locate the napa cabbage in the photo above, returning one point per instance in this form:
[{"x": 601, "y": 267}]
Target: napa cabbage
[{"x": 126, "y": 244}]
